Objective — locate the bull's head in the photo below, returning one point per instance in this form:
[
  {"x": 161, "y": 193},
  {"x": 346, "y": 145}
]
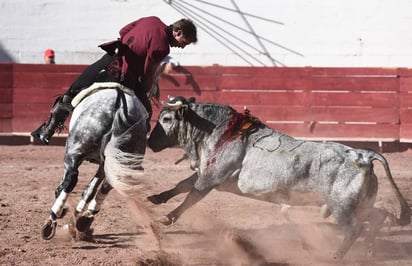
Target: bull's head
[
  {"x": 165, "y": 133},
  {"x": 169, "y": 127}
]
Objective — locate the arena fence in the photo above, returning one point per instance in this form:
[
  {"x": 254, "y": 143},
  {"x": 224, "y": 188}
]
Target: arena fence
[{"x": 371, "y": 105}]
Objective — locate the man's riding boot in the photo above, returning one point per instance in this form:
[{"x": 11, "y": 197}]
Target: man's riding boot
[{"x": 58, "y": 114}]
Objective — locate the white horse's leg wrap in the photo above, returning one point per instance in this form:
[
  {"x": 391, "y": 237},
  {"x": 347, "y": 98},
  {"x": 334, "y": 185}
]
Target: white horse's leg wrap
[
  {"x": 80, "y": 205},
  {"x": 58, "y": 205},
  {"x": 96, "y": 203},
  {"x": 86, "y": 194}
]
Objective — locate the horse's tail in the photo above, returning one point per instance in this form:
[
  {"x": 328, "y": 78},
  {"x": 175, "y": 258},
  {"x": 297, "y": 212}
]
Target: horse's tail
[
  {"x": 123, "y": 169},
  {"x": 122, "y": 164}
]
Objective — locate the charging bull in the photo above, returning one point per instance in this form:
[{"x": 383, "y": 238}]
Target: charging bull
[{"x": 228, "y": 148}]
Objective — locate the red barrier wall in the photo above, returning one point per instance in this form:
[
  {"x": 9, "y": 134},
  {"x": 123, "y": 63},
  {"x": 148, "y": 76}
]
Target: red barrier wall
[
  {"x": 28, "y": 91},
  {"x": 346, "y": 104},
  {"x": 353, "y": 104}
]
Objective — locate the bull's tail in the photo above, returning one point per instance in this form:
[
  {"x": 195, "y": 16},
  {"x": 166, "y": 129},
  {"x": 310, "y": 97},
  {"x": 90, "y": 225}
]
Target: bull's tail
[{"x": 405, "y": 216}]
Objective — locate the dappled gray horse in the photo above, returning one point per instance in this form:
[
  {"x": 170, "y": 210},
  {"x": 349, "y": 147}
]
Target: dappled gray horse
[
  {"x": 236, "y": 151},
  {"x": 107, "y": 127}
]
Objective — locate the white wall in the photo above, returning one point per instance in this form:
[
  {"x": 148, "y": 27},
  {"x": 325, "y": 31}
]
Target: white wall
[{"x": 300, "y": 33}]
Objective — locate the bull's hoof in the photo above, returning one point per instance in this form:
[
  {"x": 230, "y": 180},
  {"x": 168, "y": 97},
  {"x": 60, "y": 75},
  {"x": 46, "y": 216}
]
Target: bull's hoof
[
  {"x": 338, "y": 255},
  {"x": 370, "y": 253},
  {"x": 83, "y": 223},
  {"x": 324, "y": 211},
  {"x": 284, "y": 209},
  {"x": 165, "y": 220},
  {"x": 48, "y": 230},
  {"x": 370, "y": 249},
  {"x": 155, "y": 199}
]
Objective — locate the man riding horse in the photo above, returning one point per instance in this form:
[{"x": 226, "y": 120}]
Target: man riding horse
[{"x": 131, "y": 61}]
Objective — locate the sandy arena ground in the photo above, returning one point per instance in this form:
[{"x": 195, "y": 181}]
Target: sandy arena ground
[{"x": 223, "y": 229}]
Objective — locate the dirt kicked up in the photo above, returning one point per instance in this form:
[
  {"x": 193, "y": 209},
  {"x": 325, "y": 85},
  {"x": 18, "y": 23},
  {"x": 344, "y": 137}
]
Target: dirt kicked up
[{"x": 222, "y": 229}]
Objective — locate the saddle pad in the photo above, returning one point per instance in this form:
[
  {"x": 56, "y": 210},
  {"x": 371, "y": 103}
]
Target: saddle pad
[{"x": 99, "y": 86}]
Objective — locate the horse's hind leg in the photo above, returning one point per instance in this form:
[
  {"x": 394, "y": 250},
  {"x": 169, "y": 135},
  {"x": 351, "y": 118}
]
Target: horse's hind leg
[
  {"x": 90, "y": 190},
  {"x": 85, "y": 221},
  {"x": 62, "y": 192}
]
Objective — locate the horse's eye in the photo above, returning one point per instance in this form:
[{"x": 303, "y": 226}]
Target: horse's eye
[{"x": 166, "y": 119}]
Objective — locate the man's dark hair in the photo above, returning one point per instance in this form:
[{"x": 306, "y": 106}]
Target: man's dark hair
[{"x": 188, "y": 29}]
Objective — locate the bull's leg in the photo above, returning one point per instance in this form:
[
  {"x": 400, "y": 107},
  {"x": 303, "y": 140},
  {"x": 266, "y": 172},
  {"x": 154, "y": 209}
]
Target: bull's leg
[
  {"x": 85, "y": 221},
  {"x": 62, "y": 192},
  {"x": 376, "y": 217},
  {"x": 352, "y": 232},
  {"x": 182, "y": 187},
  {"x": 191, "y": 199}
]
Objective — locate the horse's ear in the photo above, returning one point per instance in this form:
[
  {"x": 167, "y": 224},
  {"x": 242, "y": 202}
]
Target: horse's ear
[{"x": 191, "y": 100}]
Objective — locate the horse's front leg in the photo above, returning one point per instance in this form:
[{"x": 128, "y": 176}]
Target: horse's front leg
[{"x": 62, "y": 192}]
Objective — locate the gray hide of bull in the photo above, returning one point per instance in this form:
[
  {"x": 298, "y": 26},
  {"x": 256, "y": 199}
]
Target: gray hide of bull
[{"x": 230, "y": 147}]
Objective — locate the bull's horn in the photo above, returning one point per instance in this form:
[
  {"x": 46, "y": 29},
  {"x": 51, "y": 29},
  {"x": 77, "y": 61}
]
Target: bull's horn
[
  {"x": 170, "y": 97},
  {"x": 174, "y": 106}
]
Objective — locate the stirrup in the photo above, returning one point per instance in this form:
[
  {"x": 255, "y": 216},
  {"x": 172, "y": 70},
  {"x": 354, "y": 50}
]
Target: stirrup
[{"x": 36, "y": 135}]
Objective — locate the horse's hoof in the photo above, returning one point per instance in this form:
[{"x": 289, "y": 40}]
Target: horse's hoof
[
  {"x": 155, "y": 199},
  {"x": 63, "y": 212},
  {"x": 83, "y": 223},
  {"x": 48, "y": 230}
]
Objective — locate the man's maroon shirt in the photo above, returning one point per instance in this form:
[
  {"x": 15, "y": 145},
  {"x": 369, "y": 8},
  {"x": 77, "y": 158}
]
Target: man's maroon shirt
[{"x": 148, "y": 41}]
